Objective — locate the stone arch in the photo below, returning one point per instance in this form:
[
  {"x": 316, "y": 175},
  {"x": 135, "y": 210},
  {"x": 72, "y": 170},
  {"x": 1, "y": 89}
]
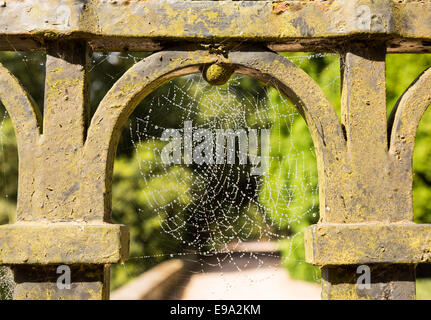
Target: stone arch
[
  {"x": 27, "y": 123},
  {"x": 402, "y": 127},
  {"x": 21, "y": 108},
  {"x": 159, "y": 68},
  {"x": 406, "y": 115}
]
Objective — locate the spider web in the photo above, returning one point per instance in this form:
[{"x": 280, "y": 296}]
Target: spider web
[
  {"x": 215, "y": 180},
  {"x": 220, "y": 208}
]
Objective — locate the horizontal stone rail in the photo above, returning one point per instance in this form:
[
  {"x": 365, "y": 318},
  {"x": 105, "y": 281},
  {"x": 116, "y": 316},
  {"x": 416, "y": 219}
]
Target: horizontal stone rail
[
  {"x": 62, "y": 243},
  {"x": 365, "y": 243},
  {"x": 125, "y": 25}
]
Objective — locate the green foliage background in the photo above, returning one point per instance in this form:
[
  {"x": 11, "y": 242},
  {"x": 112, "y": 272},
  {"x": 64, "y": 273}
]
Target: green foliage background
[{"x": 129, "y": 202}]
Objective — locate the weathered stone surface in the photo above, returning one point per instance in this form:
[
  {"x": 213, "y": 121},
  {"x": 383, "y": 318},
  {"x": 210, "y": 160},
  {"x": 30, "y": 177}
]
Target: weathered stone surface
[
  {"x": 68, "y": 243},
  {"x": 88, "y": 282},
  {"x": 388, "y": 282},
  {"x": 368, "y": 243},
  {"x": 150, "y": 25}
]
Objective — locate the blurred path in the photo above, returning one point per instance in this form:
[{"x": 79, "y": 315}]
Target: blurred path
[
  {"x": 258, "y": 284},
  {"x": 249, "y": 272},
  {"x": 256, "y": 274}
]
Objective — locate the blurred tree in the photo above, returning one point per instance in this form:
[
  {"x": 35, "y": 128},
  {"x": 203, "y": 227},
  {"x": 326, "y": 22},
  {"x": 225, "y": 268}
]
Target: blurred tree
[{"x": 8, "y": 172}]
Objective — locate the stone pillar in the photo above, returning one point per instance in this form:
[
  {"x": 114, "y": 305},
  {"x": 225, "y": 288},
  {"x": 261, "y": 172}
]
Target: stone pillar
[{"x": 373, "y": 226}]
